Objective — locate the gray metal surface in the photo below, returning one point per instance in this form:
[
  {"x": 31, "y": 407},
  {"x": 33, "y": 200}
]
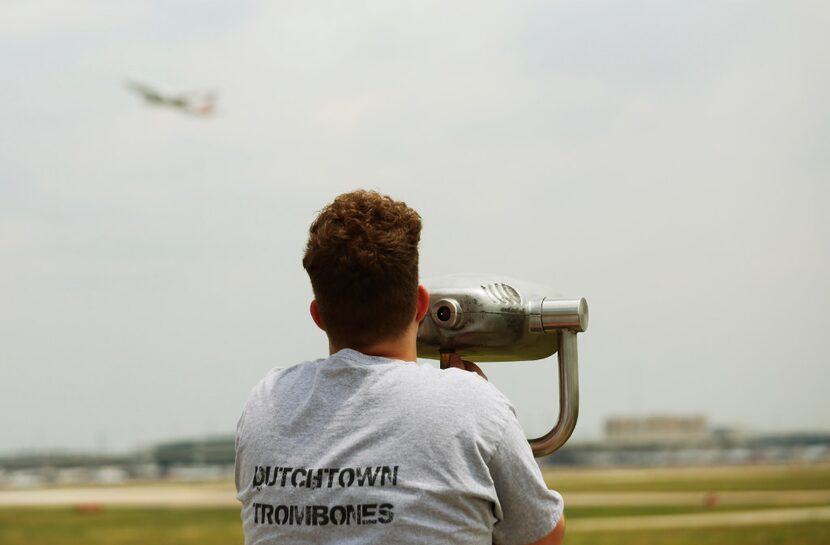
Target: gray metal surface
[
  {"x": 493, "y": 319},
  {"x": 568, "y": 398}
]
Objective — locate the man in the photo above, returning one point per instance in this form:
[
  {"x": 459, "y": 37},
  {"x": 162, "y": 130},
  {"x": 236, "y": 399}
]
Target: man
[{"x": 368, "y": 446}]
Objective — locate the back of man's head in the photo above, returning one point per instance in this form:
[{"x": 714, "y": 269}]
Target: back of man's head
[{"x": 362, "y": 259}]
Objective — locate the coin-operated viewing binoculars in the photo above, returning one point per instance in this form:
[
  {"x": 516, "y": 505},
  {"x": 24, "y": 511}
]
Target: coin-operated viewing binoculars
[{"x": 487, "y": 319}]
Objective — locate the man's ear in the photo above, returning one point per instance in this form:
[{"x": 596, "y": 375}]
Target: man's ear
[
  {"x": 423, "y": 303},
  {"x": 315, "y": 315}
]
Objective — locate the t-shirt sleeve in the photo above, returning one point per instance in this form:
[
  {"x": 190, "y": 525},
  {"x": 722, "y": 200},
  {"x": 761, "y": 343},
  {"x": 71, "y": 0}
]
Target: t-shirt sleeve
[{"x": 526, "y": 510}]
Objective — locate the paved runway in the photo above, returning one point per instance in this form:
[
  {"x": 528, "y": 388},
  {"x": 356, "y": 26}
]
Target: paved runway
[
  {"x": 161, "y": 495},
  {"x": 701, "y": 520}
]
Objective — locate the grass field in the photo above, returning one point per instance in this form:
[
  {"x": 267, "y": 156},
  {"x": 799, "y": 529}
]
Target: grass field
[
  {"x": 67, "y": 525},
  {"x": 813, "y": 533},
  {"x": 119, "y": 526},
  {"x": 64, "y": 526}
]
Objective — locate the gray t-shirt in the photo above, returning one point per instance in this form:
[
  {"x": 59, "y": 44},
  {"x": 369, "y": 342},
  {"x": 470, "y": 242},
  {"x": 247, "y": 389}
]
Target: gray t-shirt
[{"x": 362, "y": 449}]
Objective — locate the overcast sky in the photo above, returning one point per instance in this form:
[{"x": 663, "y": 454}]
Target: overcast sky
[{"x": 668, "y": 161}]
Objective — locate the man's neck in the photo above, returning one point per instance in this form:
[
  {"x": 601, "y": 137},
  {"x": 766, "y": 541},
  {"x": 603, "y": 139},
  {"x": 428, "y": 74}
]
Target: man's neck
[{"x": 403, "y": 348}]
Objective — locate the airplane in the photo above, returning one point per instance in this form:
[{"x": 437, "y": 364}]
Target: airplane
[{"x": 193, "y": 103}]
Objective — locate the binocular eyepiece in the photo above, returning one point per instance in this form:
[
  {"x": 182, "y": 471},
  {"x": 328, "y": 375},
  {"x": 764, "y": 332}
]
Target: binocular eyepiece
[{"x": 444, "y": 312}]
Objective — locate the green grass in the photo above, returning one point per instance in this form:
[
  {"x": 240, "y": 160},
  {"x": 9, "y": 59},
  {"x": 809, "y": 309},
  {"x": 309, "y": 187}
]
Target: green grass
[
  {"x": 50, "y": 526},
  {"x": 65, "y": 526},
  {"x": 129, "y": 526}
]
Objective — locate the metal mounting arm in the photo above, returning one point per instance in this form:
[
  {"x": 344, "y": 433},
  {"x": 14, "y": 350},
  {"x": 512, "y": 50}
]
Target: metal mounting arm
[{"x": 568, "y": 397}]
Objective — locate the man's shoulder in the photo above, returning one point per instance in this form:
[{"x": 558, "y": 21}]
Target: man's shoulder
[
  {"x": 450, "y": 391},
  {"x": 458, "y": 395},
  {"x": 462, "y": 384},
  {"x": 279, "y": 377}
]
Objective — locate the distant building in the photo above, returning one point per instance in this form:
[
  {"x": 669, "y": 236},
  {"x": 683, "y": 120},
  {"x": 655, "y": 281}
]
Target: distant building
[
  {"x": 675, "y": 440},
  {"x": 210, "y": 451},
  {"x": 655, "y": 440},
  {"x": 208, "y": 458},
  {"x": 659, "y": 430}
]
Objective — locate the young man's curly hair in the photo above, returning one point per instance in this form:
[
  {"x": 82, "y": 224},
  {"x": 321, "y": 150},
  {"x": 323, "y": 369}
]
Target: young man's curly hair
[{"x": 362, "y": 258}]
